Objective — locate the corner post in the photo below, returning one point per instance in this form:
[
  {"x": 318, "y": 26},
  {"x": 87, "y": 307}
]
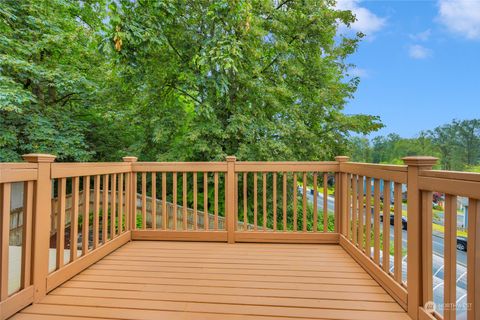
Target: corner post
[
  {"x": 230, "y": 204},
  {"x": 42, "y": 209},
  {"x": 414, "y": 232},
  {"x": 341, "y": 198},
  {"x": 131, "y": 194}
]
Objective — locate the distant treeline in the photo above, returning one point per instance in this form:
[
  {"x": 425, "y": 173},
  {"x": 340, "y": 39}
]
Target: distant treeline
[{"x": 457, "y": 144}]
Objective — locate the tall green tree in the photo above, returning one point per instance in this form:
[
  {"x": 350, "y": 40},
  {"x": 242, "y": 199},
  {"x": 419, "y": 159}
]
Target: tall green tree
[
  {"x": 53, "y": 79},
  {"x": 176, "y": 80},
  {"x": 458, "y": 143},
  {"x": 263, "y": 80}
]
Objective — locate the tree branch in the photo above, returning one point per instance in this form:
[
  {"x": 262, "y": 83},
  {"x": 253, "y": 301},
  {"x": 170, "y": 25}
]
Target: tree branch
[
  {"x": 185, "y": 93},
  {"x": 279, "y": 54},
  {"x": 65, "y": 97},
  {"x": 276, "y": 8}
]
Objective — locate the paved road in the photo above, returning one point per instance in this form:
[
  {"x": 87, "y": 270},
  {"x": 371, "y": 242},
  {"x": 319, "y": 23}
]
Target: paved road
[
  {"x": 437, "y": 261},
  {"x": 330, "y": 201},
  {"x": 437, "y": 246},
  {"x": 437, "y": 239}
]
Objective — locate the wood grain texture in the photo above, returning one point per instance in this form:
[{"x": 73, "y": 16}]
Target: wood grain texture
[{"x": 182, "y": 280}]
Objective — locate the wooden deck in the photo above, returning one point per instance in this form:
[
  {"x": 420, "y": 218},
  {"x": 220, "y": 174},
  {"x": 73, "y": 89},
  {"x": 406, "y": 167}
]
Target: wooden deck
[{"x": 198, "y": 280}]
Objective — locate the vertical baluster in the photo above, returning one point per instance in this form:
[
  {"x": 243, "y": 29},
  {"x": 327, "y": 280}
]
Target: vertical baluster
[
  {"x": 397, "y": 232},
  {"x": 185, "y": 204},
  {"x": 295, "y": 223},
  {"x": 86, "y": 215},
  {"x": 354, "y": 208},
  {"x": 195, "y": 202},
  {"x": 315, "y": 203},
  {"x": 133, "y": 200},
  {"x": 27, "y": 234},
  {"x": 368, "y": 215},
  {"x": 349, "y": 207},
  {"x": 255, "y": 213},
  {"x": 128, "y": 199},
  {"x": 284, "y": 198},
  {"x": 376, "y": 221},
  {"x": 236, "y": 201},
  {"x": 264, "y": 194},
  {"x": 360, "y": 212},
  {"x": 427, "y": 252},
  {"x": 274, "y": 200},
  {"x": 386, "y": 226},
  {"x": 96, "y": 209},
  {"x": 113, "y": 211},
  {"x": 154, "y": 200},
  {"x": 473, "y": 260},
  {"x": 105, "y": 208},
  {"x": 450, "y": 259},
  {"x": 174, "y": 190},
  {"x": 225, "y": 209},
  {"x": 74, "y": 218},
  {"x": 304, "y": 203},
  {"x": 337, "y": 203},
  {"x": 215, "y": 181},
  {"x": 245, "y": 202},
  {"x": 231, "y": 199},
  {"x": 164, "y": 202},
  {"x": 206, "y": 221},
  {"x": 325, "y": 201},
  {"x": 144, "y": 200},
  {"x": 120, "y": 203},
  {"x": 5, "y": 191},
  {"x": 61, "y": 222}
]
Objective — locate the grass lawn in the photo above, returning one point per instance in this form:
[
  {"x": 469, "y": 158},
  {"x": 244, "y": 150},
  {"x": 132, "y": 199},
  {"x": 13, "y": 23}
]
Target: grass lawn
[{"x": 440, "y": 228}]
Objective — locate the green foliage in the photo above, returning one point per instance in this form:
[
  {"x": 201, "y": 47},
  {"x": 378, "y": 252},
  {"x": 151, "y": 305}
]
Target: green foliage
[
  {"x": 176, "y": 80},
  {"x": 237, "y": 77},
  {"x": 52, "y": 79},
  {"x": 457, "y": 144}
]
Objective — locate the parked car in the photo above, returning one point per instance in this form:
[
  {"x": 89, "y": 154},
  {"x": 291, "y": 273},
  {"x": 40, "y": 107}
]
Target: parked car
[
  {"x": 462, "y": 244},
  {"x": 392, "y": 221}
]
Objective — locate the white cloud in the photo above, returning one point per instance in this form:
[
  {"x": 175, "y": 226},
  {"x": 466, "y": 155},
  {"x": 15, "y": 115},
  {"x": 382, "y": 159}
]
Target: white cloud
[
  {"x": 367, "y": 22},
  {"x": 359, "y": 72},
  {"x": 461, "y": 17},
  {"x": 421, "y": 36},
  {"x": 419, "y": 52}
]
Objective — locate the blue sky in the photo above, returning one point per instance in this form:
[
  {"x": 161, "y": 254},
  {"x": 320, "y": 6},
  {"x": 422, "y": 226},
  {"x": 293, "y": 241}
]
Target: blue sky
[{"x": 419, "y": 63}]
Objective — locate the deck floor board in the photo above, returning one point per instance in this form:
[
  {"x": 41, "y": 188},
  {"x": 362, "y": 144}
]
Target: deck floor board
[{"x": 197, "y": 280}]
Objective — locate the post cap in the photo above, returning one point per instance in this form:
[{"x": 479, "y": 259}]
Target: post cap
[
  {"x": 39, "y": 157},
  {"x": 130, "y": 159},
  {"x": 420, "y": 161},
  {"x": 342, "y": 158},
  {"x": 231, "y": 158}
]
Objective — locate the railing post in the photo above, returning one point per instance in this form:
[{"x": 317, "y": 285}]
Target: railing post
[
  {"x": 341, "y": 199},
  {"x": 230, "y": 204},
  {"x": 132, "y": 196},
  {"x": 42, "y": 209},
  {"x": 414, "y": 232}
]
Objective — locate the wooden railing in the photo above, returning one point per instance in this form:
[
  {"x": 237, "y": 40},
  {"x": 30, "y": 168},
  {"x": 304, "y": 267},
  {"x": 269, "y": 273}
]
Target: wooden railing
[
  {"x": 15, "y": 296},
  {"x": 452, "y": 185},
  {"x": 103, "y": 227},
  {"x": 366, "y": 232},
  {"x": 74, "y": 214}
]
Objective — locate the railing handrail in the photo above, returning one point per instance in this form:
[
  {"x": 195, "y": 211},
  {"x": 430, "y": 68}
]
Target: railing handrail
[{"x": 353, "y": 200}]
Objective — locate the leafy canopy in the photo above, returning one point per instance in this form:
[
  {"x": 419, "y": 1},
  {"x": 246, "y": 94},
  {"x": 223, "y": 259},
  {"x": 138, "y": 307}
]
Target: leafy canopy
[
  {"x": 457, "y": 144},
  {"x": 176, "y": 80}
]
